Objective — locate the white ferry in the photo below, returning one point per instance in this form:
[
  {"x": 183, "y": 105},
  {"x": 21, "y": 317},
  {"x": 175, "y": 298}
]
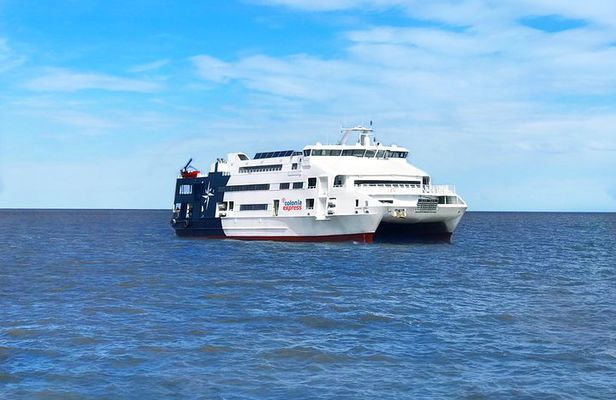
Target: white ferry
[{"x": 327, "y": 192}]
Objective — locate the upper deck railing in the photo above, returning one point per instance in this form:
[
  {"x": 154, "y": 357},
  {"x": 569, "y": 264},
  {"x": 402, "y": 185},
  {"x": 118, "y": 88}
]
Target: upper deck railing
[{"x": 407, "y": 188}]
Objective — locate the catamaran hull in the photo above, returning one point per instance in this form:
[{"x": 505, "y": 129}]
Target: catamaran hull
[
  {"x": 412, "y": 226},
  {"x": 366, "y": 228},
  {"x": 359, "y": 228},
  {"x": 401, "y": 233}
]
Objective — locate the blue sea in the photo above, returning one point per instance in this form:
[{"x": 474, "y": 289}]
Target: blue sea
[{"x": 111, "y": 304}]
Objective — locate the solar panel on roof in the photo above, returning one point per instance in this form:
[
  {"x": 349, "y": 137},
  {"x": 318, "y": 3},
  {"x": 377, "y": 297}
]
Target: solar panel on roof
[{"x": 283, "y": 153}]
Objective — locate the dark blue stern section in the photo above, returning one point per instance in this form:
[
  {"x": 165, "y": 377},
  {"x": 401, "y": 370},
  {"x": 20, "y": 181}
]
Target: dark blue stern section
[{"x": 195, "y": 205}]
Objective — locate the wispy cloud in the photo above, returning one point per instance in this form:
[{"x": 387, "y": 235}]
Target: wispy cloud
[
  {"x": 63, "y": 80},
  {"x": 212, "y": 69},
  {"x": 468, "y": 11},
  {"x": 8, "y": 59},
  {"x": 493, "y": 84},
  {"x": 151, "y": 66},
  {"x": 334, "y": 5}
]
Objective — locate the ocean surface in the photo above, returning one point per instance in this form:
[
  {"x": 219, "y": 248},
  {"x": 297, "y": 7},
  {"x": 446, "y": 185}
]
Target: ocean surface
[{"x": 110, "y": 304}]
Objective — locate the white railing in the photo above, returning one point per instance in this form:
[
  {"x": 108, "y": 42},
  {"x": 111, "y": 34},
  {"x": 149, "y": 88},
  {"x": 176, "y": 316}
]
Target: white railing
[
  {"x": 440, "y": 189},
  {"x": 408, "y": 188},
  {"x": 389, "y": 185}
]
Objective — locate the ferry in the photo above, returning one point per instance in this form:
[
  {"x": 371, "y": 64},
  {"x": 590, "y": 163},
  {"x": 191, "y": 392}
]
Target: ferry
[{"x": 361, "y": 191}]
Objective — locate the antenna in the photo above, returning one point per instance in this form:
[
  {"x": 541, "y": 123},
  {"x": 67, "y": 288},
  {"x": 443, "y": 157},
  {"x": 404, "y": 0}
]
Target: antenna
[
  {"x": 364, "y": 133},
  {"x": 187, "y": 164}
]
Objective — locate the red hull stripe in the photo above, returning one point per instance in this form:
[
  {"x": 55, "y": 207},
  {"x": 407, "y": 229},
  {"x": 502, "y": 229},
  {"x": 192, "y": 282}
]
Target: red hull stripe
[{"x": 356, "y": 237}]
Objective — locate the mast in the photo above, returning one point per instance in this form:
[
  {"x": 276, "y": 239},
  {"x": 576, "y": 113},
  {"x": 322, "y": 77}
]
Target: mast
[{"x": 364, "y": 134}]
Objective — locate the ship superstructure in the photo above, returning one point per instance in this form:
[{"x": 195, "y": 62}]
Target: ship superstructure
[{"x": 333, "y": 192}]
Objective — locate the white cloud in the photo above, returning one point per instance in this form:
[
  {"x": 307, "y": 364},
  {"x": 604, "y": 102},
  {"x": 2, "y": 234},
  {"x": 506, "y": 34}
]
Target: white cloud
[
  {"x": 407, "y": 64},
  {"x": 212, "y": 69},
  {"x": 334, "y": 5},
  {"x": 151, "y": 66},
  {"x": 8, "y": 59},
  {"x": 62, "y": 80}
]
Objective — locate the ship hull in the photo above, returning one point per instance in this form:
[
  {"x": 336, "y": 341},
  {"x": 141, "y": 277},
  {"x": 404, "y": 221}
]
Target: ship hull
[
  {"x": 431, "y": 227},
  {"x": 357, "y": 228},
  {"x": 352, "y": 237}
]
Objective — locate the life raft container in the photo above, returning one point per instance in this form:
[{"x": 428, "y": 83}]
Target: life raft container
[{"x": 190, "y": 174}]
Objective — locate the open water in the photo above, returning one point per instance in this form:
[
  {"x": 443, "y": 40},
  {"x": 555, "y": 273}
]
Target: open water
[{"x": 110, "y": 304}]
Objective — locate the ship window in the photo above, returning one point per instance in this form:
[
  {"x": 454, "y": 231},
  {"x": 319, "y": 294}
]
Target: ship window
[
  {"x": 442, "y": 200},
  {"x": 359, "y": 153},
  {"x": 243, "y": 188},
  {"x": 242, "y": 157},
  {"x": 388, "y": 153},
  {"x": 284, "y": 185},
  {"x": 339, "y": 180},
  {"x": 231, "y": 206},
  {"x": 380, "y": 153},
  {"x": 373, "y": 182},
  {"x": 312, "y": 182},
  {"x": 332, "y": 152},
  {"x": 398, "y": 154},
  {"x": 185, "y": 189},
  {"x": 347, "y": 152},
  {"x": 294, "y": 165},
  {"x": 298, "y": 185},
  {"x": 425, "y": 180},
  {"x": 307, "y": 153},
  {"x": 189, "y": 208},
  {"x": 370, "y": 153},
  {"x": 309, "y": 204},
  {"x": 316, "y": 152},
  {"x": 356, "y": 202},
  {"x": 261, "y": 168},
  {"x": 253, "y": 207}
]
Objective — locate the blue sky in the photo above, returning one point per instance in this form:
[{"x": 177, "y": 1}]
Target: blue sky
[{"x": 101, "y": 102}]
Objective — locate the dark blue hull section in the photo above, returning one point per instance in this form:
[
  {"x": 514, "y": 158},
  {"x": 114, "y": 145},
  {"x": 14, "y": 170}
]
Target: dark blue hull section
[{"x": 196, "y": 200}]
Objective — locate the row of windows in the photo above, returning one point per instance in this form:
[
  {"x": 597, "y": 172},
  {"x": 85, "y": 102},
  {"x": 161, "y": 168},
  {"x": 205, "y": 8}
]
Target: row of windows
[
  {"x": 261, "y": 168},
  {"x": 312, "y": 183},
  {"x": 272, "y": 154},
  {"x": 384, "y": 183},
  {"x": 296, "y": 185},
  {"x": 225, "y": 206},
  {"x": 241, "y": 188},
  {"x": 253, "y": 207},
  {"x": 356, "y": 153},
  {"x": 185, "y": 189}
]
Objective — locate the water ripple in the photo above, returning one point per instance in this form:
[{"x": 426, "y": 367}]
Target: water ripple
[{"x": 519, "y": 306}]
